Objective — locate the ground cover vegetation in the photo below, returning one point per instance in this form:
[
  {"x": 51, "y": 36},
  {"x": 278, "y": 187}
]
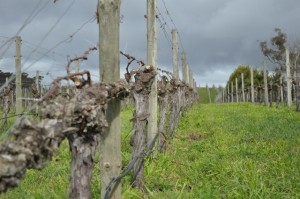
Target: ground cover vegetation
[{"x": 237, "y": 150}]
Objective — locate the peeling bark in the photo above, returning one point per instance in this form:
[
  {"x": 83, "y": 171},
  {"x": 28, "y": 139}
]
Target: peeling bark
[
  {"x": 29, "y": 146},
  {"x": 177, "y": 102},
  {"x": 82, "y": 119},
  {"x": 163, "y": 106},
  {"x": 83, "y": 149},
  {"x": 141, "y": 91},
  {"x": 5, "y": 104}
]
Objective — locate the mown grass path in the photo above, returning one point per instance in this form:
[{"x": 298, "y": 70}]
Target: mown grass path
[
  {"x": 234, "y": 151},
  {"x": 219, "y": 151}
]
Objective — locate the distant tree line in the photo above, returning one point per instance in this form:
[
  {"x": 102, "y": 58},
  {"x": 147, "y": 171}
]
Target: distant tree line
[{"x": 26, "y": 80}]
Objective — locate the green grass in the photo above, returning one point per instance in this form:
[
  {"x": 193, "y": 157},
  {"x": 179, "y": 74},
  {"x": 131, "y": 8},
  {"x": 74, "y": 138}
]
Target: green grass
[
  {"x": 203, "y": 94},
  {"x": 219, "y": 151}
]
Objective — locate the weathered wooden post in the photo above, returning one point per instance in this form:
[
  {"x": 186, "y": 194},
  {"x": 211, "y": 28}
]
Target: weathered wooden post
[
  {"x": 19, "y": 107},
  {"x": 187, "y": 74},
  {"x": 228, "y": 93},
  {"x": 232, "y": 97},
  {"x": 236, "y": 90},
  {"x": 152, "y": 60},
  {"x": 184, "y": 67},
  {"x": 208, "y": 93},
  {"x": 109, "y": 55},
  {"x": 37, "y": 83},
  {"x": 243, "y": 88},
  {"x": 288, "y": 77},
  {"x": 252, "y": 85},
  {"x": 266, "y": 84},
  {"x": 281, "y": 88},
  {"x": 175, "y": 53},
  {"x": 190, "y": 78},
  {"x": 175, "y": 92}
]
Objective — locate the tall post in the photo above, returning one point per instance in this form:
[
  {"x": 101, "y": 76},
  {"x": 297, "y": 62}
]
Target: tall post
[
  {"x": 266, "y": 83},
  {"x": 152, "y": 60},
  {"x": 184, "y": 67},
  {"x": 175, "y": 53},
  {"x": 187, "y": 69},
  {"x": 281, "y": 88},
  {"x": 243, "y": 88},
  {"x": 237, "y": 90},
  {"x": 109, "y": 39},
  {"x": 190, "y": 78},
  {"x": 232, "y": 100},
  {"x": 288, "y": 77},
  {"x": 208, "y": 94},
  {"x": 19, "y": 106},
  {"x": 37, "y": 82},
  {"x": 252, "y": 85},
  {"x": 228, "y": 93}
]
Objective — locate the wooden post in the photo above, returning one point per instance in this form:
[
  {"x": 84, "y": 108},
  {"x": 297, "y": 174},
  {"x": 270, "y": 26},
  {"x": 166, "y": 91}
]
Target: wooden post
[
  {"x": 175, "y": 53},
  {"x": 281, "y": 89},
  {"x": 109, "y": 55},
  {"x": 37, "y": 81},
  {"x": 252, "y": 85},
  {"x": 19, "y": 107},
  {"x": 187, "y": 68},
  {"x": 236, "y": 90},
  {"x": 228, "y": 93},
  {"x": 152, "y": 60},
  {"x": 243, "y": 88},
  {"x": 37, "y": 84},
  {"x": 208, "y": 93},
  {"x": 288, "y": 77},
  {"x": 232, "y": 100},
  {"x": 184, "y": 67},
  {"x": 266, "y": 84},
  {"x": 190, "y": 78}
]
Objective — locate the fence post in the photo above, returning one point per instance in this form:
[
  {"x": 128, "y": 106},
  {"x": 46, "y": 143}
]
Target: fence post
[
  {"x": 175, "y": 53},
  {"x": 252, "y": 85},
  {"x": 184, "y": 66},
  {"x": 237, "y": 90},
  {"x": 288, "y": 77},
  {"x": 190, "y": 77},
  {"x": 232, "y": 100},
  {"x": 208, "y": 93},
  {"x": 266, "y": 83},
  {"x": 187, "y": 74},
  {"x": 281, "y": 89},
  {"x": 19, "y": 106},
  {"x": 109, "y": 55},
  {"x": 243, "y": 88},
  {"x": 152, "y": 60},
  {"x": 228, "y": 93}
]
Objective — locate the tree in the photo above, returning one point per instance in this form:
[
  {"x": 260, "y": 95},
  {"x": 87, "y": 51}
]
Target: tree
[
  {"x": 274, "y": 50},
  {"x": 258, "y": 76}
]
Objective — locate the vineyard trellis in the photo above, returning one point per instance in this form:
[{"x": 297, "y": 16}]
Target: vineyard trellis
[
  {"x": 267, "y": 93},
  {"x": 80, "y": 118}
]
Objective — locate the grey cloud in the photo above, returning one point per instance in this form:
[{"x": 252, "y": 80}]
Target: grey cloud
[{"x": 217, "y": 35}]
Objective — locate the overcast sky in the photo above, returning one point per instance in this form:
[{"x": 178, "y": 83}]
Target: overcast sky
[{"x": 217, "y": 35}]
